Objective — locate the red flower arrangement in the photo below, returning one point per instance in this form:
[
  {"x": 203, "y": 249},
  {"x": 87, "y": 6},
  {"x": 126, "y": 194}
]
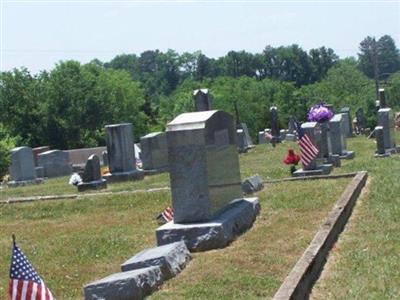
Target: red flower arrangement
[{"x": 292, "y": 159}]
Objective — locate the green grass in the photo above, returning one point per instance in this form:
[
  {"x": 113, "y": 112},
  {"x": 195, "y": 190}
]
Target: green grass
[
  {"x": 73, "y": 242},
  {"x": 366, "y": 261}
]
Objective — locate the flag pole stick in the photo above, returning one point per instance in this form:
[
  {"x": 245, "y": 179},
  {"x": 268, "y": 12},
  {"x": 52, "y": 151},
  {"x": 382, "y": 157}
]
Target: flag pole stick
[{"x": 13, "y": 238}]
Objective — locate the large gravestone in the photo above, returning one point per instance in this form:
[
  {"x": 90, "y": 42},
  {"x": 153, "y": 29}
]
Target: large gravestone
[
  {"x": 22, "y": 169},
  {"x": 205, "y": 180},
  {"x": 348, "y": 129},
  {"x": 120, "y": 153},
  {"x": 202, "y": 100},
  {"x": 55, "y": 163},
  {"x": 313, "y": 131},
  {"x": 91, "y": 177},
  {"x": 154, "y": 152},
  {"x": 337, "y": 138},
  {"x": 386, "y": 120}
]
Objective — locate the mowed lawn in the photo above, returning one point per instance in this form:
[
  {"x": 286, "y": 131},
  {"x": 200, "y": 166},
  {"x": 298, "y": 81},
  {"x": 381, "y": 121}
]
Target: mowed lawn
[
  {"x": 366, "y": 261},
  {"x": 73, "y": 242}
]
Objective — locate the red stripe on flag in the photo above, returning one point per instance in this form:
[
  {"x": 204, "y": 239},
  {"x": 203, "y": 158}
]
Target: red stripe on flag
[{"x": 29, "y": 290}]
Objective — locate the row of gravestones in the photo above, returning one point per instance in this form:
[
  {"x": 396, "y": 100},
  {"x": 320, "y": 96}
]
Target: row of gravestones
[
  {"x": 385, "y": 131},
  {"x": 207, "y": 199}
]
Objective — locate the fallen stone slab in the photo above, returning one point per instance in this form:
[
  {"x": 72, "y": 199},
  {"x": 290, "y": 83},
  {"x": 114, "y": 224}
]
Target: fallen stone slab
[
  {"x": 218, "y": 233},
  {"x": 170, "y": 258},
  {"x": 252, "y": 184},
  {"x": 131, "y": 285}
]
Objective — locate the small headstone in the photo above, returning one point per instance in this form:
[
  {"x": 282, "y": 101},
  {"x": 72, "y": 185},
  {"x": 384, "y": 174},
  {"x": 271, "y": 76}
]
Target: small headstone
[
  {"x": 360, "y": 120},
  {"x": 202, "y": 100},
  {"x": 292, "y": 126},
  {"x": 105, "y": 158},
  {"x": 380, "y": 143},
  {"x": 39, "y": 172},
  {"x": 55, "y": 163},
  {"x": 386, "y": 121},
  {"x": 348, "y": 129},
  {"x": 261, "y": 138},
  {"x": 171, "y": 259},
  {"x": 91, "y": 177},
  {"x": 337, "y": 138},
  {"x": 22, "y": 169},
  {"x": 134, "y": 284},
  {"x": 282, "y": 134},
  {"x": 241, "y": 141},
  {"x": 120, "y": 152},
  {"x": 154, "y": 152},
  {"x": 252, "y": 184}
]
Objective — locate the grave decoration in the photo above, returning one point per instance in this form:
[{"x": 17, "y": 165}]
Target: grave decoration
[
  {"x": 319, "y": 113},
  {"x": 292, "y": 159}
]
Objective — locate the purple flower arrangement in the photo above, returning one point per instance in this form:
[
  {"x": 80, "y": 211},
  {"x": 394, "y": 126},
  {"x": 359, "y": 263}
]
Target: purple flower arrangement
[{"x": 319, "y": 113}]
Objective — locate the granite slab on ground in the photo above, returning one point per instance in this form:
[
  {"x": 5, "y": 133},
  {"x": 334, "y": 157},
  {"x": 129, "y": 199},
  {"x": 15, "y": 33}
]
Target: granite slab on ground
[
  {"x": 131, "y": 285},
  {"x": 217, "y": 233}
]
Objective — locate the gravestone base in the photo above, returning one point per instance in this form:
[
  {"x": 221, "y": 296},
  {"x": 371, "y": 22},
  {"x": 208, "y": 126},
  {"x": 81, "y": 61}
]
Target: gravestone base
[
  {"x": 334, "y": 159},
  {"x": 377, "y": 155},
  {"x": 92, "y": 185},
  {"x": 156, "y": 171},
  {"x": 347, "y": 155},
  {"x": 25, "y": 182},
  {"x": 237, "y": 218},
  {"x": 324, "y": 169},
  {"x": 124, "y": 176}
]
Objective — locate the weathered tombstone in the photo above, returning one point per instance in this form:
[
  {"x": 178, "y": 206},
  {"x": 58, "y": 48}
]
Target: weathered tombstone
[
  {"x": 275, "y": 124},
  {"x": 202, "y": 100},
  {"x": 154, "y": 152},
  {"x": 261, "y": 138},
  {"x": 120, "y": 152},
  {"x": 347, "y": 120},
  {"x": 380, "y": 143},
  {"x": 337, "y": 138},
  {"x": 91, "y": 177},
  {"x": 244, "y": 141},
  {"x": 22, "y": 169},
  {"x": 360, "y": 120},
  {"x": 313, "y": 131},
  {"x": 386, "y": 120},
  {"x": 201, "y": 148},
  {"x": 382, "y": 99},
  {"x": 55, "y": 163},
  {"x": 252, "y": 184},
  {"x": 36, "y": 151}
]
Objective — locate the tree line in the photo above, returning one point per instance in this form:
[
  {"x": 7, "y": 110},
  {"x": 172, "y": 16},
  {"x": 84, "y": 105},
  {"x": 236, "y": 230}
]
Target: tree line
[{"x": 68, "y": 106}]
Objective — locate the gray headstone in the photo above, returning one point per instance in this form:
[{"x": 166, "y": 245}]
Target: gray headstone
[
  {"x": 201, "y": 148},
  {"x": 92, "y": 170},
  {"x": 55, "y": 163},
  {"x": 292, "y": 126},
  {"x": 347, "y": 119},
  {"x": 105, "y": 158},
  {"x": 336, "y": 134},
  {"x": 324, "y": 144},
  {"x": 380, "y": 142},
  {"x": 252, "y": 184},
  {"x": 386, "y": 120},
  {"x": 170, "y": 258},
  {"x": 121, "y": 156},
  {"x": 154, "y": 151},
  {"x": 129, "y": 285},
  {"x": 202, "y": 101},
  {"x": 247, "y": 136},
  {"x": 22, "y": 164},
  {"x": 261, "y": 138},
  {"x": 360, "y": 118},
  {"x": 242, "y": 145}
]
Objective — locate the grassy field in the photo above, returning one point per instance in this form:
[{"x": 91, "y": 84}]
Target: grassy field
[
  {"x": 73, "y": 242},
  {"x": 366, "y": 261}
]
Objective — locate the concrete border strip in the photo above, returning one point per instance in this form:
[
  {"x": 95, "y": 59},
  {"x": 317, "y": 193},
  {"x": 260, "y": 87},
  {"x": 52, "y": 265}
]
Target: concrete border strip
[{"x": 300, "y": 281}]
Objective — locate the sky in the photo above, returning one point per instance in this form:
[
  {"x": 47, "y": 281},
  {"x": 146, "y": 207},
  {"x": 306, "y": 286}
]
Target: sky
[{"x": 39, "y": 33}]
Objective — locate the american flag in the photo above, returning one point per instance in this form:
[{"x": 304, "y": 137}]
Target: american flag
[
  {"x": 25, "y": 283},
  {"x": 167, "y": 215},
  {"x": 308, "y": 151}
]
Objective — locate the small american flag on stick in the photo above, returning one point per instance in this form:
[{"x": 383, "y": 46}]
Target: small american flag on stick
[
  {"x": 25, "y": 283},
  {"x": 166, "y": 216},
  {"x": 308, "y": 151}
]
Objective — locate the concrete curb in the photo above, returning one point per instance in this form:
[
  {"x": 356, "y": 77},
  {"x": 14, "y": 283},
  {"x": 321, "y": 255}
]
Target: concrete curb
[
  {"x": 314, "y": 177},
  {"x": 300, "y": 281}
]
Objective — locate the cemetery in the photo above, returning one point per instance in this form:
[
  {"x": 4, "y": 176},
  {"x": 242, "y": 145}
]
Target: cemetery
[{"x": 145, "y": 154}]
